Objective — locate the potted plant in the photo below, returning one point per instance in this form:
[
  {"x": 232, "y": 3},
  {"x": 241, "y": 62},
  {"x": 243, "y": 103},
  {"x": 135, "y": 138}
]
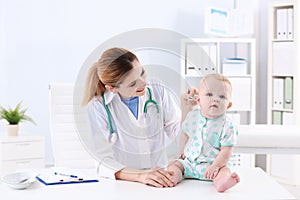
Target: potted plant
[{"x": 14, "y": 117}]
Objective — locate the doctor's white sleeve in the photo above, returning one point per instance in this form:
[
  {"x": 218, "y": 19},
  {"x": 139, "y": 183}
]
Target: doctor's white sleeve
[
  {"x": 172, "y": 116},
  {"x": 102, "y": 148}
]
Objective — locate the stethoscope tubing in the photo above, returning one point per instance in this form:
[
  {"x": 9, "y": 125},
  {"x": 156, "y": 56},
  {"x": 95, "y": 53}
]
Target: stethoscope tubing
[{"x": 113, "y": 135}]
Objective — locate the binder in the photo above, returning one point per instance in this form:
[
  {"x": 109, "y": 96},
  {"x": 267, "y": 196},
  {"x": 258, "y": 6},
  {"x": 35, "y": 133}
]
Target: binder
[
  {"x": 201, "y": 59},
  {"x": 58, "y": 176},
  {"x": 288, "y": 93},
  {"x": 277, "y": 117},
  {"x": 213, "y": 58},
  {"x": 278, "y": 93},
  {"x": 193, "y": 56},
  {"x": 290, "y": 23},
  {"x": 281, "y": 23},
  {"x": 288, "y": 118}
]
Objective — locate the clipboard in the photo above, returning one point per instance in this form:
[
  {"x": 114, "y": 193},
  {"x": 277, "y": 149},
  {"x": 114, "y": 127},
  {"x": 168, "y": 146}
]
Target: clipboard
[{"x": 58, "y": 176}]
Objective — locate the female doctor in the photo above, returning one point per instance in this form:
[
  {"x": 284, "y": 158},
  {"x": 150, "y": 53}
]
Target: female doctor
[{"x": 131, "y": 120}]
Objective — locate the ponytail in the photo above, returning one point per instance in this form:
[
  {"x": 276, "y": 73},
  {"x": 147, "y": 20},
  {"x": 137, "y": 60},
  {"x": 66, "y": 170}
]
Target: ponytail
[
  {"x": 93, "y": 85},
  {"x": 113, "y": 65}
]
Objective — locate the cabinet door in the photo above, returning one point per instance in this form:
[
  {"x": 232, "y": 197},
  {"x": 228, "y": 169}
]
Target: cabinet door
[
  {"x": 284, "y": 168},
  {"x": 22, "y": 150},
  {"x": 241, "y": 95},
  {"x": 15, "y": 165},
  {"x": 284, "y": 58}
]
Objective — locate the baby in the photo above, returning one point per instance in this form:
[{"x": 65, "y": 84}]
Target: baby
[{"x": 208, "y": 136}]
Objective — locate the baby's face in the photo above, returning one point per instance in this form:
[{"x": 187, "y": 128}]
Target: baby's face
[{"x": 214, "y": 97}]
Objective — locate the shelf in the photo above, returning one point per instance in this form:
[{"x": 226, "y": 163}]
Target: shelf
[
  {"x": 283, "y": 40},
  {"x": 233, "y": 57},
  {"x": 282, "y": 75},
  {"x": 283, "y": 110},
  {"x": 228, "y": 76},
  {"x": 284, "y": 81}
]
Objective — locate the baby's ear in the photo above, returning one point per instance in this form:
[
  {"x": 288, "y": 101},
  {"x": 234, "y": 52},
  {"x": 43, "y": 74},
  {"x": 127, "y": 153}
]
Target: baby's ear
[{"x": 229, "y": 105}]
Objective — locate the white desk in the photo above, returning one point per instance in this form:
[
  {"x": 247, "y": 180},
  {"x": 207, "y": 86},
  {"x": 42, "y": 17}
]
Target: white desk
[
  {"x": 268, "y": 139},
  {"x": 255, "y": 184}
]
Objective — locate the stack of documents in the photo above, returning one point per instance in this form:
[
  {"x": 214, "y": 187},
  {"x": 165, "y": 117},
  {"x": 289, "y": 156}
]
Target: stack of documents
[{"x": 55, "y": 176}]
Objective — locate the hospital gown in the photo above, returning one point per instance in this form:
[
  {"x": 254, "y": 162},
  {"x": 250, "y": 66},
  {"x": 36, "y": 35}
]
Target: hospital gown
[{"x": 206, "y": 136}]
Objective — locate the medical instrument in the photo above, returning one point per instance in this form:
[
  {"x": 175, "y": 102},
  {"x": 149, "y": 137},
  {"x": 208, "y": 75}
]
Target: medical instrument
[
  {"x": 113, "y": 136},
  {"x": 190, "y": 98}
]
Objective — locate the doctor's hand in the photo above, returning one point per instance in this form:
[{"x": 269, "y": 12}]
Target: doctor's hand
[
  {"x": 157, "y": 177},
  {"x": 188, "y": 100}
]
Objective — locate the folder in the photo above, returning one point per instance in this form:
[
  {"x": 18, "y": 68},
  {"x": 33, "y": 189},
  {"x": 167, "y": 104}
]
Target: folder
[
  {"x": 290, "y": 23},
  {"x": 193, "y": 59},
  {"x": 288, "y": 118},
  {"x": 277, "y": 117},
  {"x": 281, "y": 23},
  {"x": 288, "y": 93},
  {"x": 201, "y": 59},
  {"x": 57, "y": 176},
  {"x": 278, "y": 93}
]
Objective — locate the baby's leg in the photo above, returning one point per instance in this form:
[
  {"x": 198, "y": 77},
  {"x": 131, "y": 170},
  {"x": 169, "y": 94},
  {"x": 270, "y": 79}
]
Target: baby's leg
[
  {"x": 177, "y": 169},
  {"x": 225, "y": 179}
]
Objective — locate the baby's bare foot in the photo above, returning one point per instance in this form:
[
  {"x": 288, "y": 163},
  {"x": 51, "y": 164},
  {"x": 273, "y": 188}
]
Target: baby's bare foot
[{"x": 228, "y": 182}]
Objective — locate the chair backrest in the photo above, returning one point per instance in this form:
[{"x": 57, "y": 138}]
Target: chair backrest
[{"x": 68, "y": 150}]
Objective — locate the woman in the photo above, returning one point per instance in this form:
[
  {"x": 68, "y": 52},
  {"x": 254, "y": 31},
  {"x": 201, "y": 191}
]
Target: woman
[{"x": 131, "y": 120}]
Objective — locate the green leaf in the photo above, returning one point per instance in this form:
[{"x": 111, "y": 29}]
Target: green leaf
[{"x": 16, "y": 115}]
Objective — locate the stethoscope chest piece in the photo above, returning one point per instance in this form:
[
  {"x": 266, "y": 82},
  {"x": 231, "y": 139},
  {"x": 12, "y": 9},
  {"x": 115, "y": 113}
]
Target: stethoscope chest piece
[{"x": 113, "y": 137}]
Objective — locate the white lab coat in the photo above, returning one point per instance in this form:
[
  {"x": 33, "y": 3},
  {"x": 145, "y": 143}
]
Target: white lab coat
[{"x": 134, "y": 148}]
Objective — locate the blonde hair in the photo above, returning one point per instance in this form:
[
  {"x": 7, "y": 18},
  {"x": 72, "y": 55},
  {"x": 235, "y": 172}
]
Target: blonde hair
[
  {"x": 110, "y": 69},
  {"x": 218, "y": 77}
]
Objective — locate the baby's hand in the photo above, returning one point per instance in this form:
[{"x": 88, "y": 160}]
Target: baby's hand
[{"x": 211, "y": 172}]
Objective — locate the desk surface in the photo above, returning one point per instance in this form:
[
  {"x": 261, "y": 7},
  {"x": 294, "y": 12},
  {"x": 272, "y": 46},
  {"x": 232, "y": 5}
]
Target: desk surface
[{"x": 255, "y": 184}]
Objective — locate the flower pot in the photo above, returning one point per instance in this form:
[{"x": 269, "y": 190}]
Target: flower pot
[{"x": 12, "y": 130}]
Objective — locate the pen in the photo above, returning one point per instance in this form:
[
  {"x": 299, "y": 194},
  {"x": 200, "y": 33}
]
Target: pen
[{"x": 61, "y": 174}]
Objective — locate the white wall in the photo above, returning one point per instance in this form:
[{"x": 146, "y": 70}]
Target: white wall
[{"x": 44, "y": 41}]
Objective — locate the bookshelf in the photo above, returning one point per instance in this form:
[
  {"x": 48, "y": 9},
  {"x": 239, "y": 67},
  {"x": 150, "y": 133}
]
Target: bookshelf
[
  {"x": 233, "y": 57},
  {"x": 283, "y": 82},
  {"x": 236, "y": 59}
]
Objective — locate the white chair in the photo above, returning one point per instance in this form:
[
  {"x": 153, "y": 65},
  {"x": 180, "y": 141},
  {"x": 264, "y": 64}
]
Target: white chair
[{"x": 68, "y": 150}]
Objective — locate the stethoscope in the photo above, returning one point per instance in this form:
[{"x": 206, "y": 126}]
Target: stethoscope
[{"x": 113, "y": 136}]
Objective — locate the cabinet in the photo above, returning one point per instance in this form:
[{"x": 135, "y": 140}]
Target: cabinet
[
  {"x": 283, "y": 81},
  {"x": 21, "y": 152},
  {"x": 236, "y": 59}
]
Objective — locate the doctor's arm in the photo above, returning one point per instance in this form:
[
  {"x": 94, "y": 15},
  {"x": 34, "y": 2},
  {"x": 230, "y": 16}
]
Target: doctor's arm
[
  {"x": 183, "y": 140},
  {"x": 172, "y": 116},
  {"x": 108, "y": 167},
  {"x": 156, "y": 177}
]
